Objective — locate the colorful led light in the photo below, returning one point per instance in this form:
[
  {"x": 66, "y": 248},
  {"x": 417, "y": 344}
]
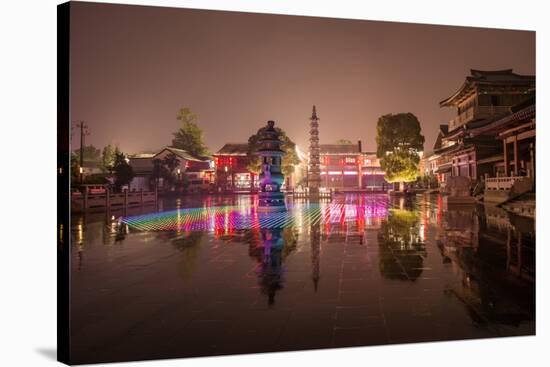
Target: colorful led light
[{"x": 220, "y": 219}]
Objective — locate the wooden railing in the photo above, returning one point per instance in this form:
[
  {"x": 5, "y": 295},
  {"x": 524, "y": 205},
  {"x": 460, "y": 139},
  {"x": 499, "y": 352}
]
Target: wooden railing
[
  {"x": 502, "y": 183},
  {"x": 85, "y": 201},
  {"x": 476, "y": 112},
  {"x": 461, "y": 119}
]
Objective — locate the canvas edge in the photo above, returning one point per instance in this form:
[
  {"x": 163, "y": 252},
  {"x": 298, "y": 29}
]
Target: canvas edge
[{"x": 63, "y": 183}]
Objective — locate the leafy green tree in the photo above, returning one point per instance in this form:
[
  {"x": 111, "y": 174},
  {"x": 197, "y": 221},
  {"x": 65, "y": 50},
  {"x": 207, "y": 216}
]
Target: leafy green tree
[
  {"x": 91, "y": 154},
  {"x": 107, "y": 158},
  {"x": 190, "y": 136},
  {"x": 123, "y": 172},
  {"x": 290, "y": 159},
  {"x": 399, "y": 140}
]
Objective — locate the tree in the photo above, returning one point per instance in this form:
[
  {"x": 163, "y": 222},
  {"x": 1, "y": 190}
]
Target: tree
[
  {"x": 171, "y": 161},
  {"x": 290, "y": 159},
  {"x": 123, "y": 172},
  {"x": 91, "y": 154},
  {"x": 399, "y": 140},
  {"x": 107, "y": 158},
  {"x": 164, "y": 168},
  {"x": 189, "y": 137},
  {"x": 343, "y": 141}
]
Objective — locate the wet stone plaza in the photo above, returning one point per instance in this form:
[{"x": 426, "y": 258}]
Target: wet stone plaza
[{"x": 212, "y": 275}]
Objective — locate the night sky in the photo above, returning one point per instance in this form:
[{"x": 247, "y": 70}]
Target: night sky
[{"x": 133, "y": 67}]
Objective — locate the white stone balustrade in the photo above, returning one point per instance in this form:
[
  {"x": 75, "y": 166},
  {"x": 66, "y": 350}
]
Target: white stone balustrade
[{"x": 502, "y": 183}]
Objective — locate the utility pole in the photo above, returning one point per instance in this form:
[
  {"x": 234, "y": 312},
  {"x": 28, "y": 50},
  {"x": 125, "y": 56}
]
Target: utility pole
[{"x": 83, "y": 132}]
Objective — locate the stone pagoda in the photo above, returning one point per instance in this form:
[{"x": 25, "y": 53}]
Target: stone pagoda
[
  {"x": 314, "y": 171},
  {"x": 271, "y": 178}
]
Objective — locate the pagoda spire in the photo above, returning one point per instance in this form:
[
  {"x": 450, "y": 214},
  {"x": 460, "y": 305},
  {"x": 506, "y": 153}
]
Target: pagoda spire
[{"x": 314, "y": 171}]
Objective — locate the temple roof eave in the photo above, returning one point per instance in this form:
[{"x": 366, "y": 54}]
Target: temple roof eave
[
  {"x": 484, "y": 77},
  {"x": 464, "y": 89}
]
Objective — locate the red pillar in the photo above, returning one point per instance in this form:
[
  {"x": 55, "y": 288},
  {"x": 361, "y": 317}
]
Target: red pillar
[
  {"x": 505, "y": 145},
  {"x": 516, "y": 160}
]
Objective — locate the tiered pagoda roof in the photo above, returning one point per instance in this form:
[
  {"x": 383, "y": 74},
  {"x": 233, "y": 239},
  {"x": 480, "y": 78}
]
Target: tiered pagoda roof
[
  {"x": 314, "y": 173},
  {"x": 269, "y": 139},
  {"x": 478, "y": 78}
]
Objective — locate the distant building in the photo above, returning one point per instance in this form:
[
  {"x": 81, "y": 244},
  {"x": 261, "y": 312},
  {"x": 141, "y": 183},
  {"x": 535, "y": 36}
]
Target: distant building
[
  {"x": 91, "y": 168},
  {"x": 436, "y": 162},
  {"x": 372, "y": 174},
  {"x": 142, "y": 164},
  {"x": 198, "y": 171},
  {"x": 231, "y": 165},
  {"x": 346, "y": 167}
]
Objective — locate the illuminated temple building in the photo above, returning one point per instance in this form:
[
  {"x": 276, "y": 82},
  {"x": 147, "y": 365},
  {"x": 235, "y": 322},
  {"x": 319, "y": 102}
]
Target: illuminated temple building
[
  {"x": 232, "y": 173},
  {"x": 488, "y": 137},
  {"x": 346, "y": 167},
  {"x": 342, "y": 166}
]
